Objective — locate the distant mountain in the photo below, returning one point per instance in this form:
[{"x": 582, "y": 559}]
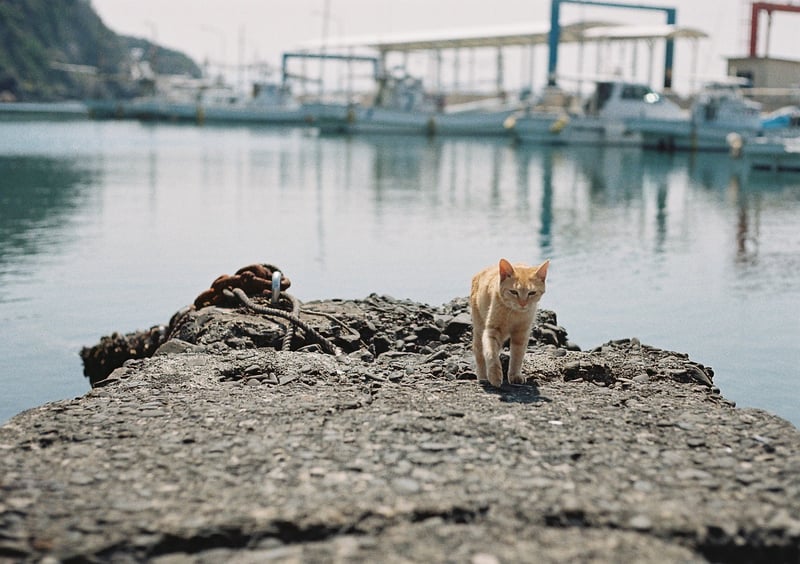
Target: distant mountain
[{"x": 61, "y": 49}]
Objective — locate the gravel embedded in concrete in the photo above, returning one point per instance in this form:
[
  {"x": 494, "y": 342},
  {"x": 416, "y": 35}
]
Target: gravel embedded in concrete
[{"x": 219, "y": 448}]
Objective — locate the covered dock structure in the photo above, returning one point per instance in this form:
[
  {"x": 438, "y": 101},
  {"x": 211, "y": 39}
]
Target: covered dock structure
[{"x": 396, "y": 48}]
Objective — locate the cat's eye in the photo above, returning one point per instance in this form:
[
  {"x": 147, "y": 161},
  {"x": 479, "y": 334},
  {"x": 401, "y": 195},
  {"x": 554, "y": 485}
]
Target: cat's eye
[
  {"x": 531, "y": 293},
  {"x": 514, "y": 293}
]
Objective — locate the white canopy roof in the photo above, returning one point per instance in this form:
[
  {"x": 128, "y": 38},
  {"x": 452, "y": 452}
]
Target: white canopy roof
[
  {"x": 630, "y": 33},
  {"x": 498, "y": 36},
  {"x": 504, "y": 36}
]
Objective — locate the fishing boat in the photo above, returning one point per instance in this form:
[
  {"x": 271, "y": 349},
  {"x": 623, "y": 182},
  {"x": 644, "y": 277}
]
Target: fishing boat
[
  {"x": 269, "y": 104},
  {"x": 203, "y": 102},
  {"x": 401, "y": 106},
  {"x": 45, "y": 110},
  {"x": 777, "y": 153},
  {"x": 622, "y": 113},
  {"x": 608, "y": 117},
  {"x": 719, "y": 110},
  {"x": 784, "y": 121}
]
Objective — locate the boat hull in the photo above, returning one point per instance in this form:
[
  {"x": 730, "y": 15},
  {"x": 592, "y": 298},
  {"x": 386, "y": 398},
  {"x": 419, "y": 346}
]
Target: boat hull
[
  {"x": 386, "y": 121},
  {"x": 55, "y": 110},
  {"x": 278, "y": 116},
  {"x": 687, "y": 136},
  {"x": 778, "y": 154},
  {"x": 553, "y": 128},
  {"x": 159, "y": 110}
]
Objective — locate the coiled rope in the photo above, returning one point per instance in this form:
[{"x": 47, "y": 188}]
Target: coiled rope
[{"x": 292, "y": 317}]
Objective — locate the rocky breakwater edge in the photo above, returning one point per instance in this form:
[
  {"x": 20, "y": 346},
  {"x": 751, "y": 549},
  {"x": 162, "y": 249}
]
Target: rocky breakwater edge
[{"x": 223, "y": 447}]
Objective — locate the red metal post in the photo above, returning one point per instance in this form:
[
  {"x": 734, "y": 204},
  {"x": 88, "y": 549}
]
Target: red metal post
[
  {"x": 755, "y": 11},
  {"x": 768, "y": 7}
]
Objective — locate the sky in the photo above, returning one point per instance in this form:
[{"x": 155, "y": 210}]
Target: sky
[{"x": 236, "y": 31}]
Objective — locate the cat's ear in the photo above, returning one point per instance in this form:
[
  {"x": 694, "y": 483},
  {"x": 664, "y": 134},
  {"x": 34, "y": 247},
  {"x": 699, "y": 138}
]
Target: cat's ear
[
  {"x": 506, "y": 270},
  {"x": 541, "y": 272}
]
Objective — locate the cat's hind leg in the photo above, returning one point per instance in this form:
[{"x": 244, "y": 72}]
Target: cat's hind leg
[
  {"x": 477, "y": 351},
  {"x": 491, "y": 356}
]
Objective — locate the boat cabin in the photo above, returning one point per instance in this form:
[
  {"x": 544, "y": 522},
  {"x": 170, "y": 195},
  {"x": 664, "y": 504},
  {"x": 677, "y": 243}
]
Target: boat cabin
[
  {"x": 723, "y": 104},
  {"x": 618, "y": 99}
]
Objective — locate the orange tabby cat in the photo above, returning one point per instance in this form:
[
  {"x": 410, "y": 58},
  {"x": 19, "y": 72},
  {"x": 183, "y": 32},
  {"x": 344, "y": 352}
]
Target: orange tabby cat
[{"x": 503, "y": 301}]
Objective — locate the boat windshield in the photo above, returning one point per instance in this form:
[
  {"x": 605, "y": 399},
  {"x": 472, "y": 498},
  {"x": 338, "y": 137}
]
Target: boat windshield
[{"x": 639, "y": 92}]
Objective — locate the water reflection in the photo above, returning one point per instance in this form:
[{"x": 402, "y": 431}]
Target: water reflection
[
  {"x": 747, "y": 231},
  {"x": 566, "y": 197},
  {"x": 159, "y": 211},
  {"x": 563, "y": 198},
  {"x": 39, "y": 197}
]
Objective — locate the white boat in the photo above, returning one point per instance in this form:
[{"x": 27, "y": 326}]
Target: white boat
[
  {"x": 608, "y": 117},
  {"x": 718, "y": 111},
  {"x": 401, "y": 106},
  {"x": 48, "y": 110},
  {"x": 775, "y": 152},
  {"x": 624, "y": 113},
  {"x": 784, "y": 121},
  {"x": 172, "y": 98},
  {"x": 269, "y": 104},
  {"x": 156, "y": 108},
  {"x": 201, "y": 102}
]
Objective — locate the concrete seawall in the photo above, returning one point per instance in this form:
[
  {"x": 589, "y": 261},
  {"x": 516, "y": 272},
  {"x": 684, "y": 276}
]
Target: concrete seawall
[{"x": 221, "y": 448}]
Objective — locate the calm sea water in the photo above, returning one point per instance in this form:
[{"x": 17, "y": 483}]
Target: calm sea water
[{"x": 113, "y": 226}]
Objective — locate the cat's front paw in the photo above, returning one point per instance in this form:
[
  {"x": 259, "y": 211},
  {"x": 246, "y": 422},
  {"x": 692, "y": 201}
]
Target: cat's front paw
[
  {"x": 516, "y": 378},
  {"x": 496, "y": 377}
]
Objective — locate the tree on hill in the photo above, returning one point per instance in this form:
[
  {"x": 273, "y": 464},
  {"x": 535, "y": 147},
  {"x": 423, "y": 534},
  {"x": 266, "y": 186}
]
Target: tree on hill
[{"x": 61, "y": 49}]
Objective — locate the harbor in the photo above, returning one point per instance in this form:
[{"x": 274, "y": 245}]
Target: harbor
[
  {"x": 726, "y": 114},
  {"x": 126, "y": 217},
  {"x": 624, "y": 142},
  {"x": 236, "y": 292}
]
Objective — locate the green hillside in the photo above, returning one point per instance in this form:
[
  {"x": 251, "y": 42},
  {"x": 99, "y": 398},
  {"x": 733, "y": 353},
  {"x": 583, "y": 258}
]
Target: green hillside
[{"x": 60, "y": 49}]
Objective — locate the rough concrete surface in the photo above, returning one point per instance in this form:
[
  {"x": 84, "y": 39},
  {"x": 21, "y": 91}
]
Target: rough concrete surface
[{"x": 222, "y": 449}]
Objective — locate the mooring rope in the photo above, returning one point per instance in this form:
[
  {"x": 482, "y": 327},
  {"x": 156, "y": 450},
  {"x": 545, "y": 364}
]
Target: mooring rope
[
  {"x": 286, "y": 343},
  {"x": 323, "y": 341}
]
